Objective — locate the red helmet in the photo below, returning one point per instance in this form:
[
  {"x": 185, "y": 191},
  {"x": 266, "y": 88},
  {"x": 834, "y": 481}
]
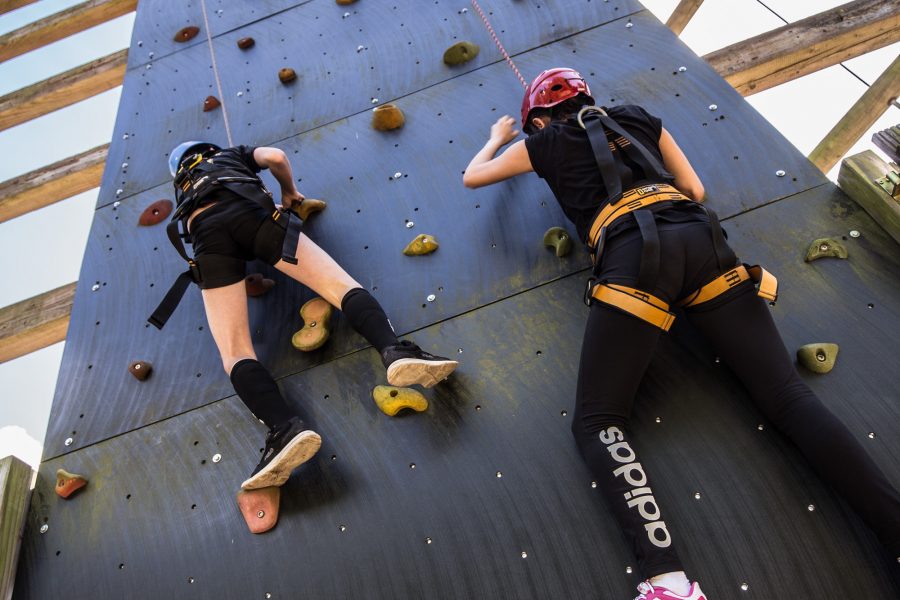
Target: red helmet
[{"x": 552, "y": 87}]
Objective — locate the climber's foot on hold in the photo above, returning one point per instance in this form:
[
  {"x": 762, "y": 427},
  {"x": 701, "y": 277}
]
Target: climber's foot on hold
[
  {"x": 316, "y": 314},
  {"x": 407, "y": 364},
  {"x": 287, "y": 447}
]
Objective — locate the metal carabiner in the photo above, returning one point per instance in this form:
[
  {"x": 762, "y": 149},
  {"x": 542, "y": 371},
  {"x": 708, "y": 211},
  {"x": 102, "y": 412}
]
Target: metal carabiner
[{"x": 585, "y": 109}]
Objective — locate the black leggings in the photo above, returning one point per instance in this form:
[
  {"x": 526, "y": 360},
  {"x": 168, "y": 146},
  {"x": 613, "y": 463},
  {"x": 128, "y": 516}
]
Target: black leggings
[{"x": 617, "y": 349}]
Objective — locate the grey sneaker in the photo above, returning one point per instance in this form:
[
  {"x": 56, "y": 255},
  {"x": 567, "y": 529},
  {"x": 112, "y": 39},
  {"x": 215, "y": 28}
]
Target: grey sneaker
[
  {"x": 287, "y": 447},
  {"x": 407, "y": 364}
]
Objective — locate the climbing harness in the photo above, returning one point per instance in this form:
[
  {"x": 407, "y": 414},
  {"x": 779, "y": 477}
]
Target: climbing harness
[
  {"x": 641, "y": 203},
  {"x": 194, "y": 182}
]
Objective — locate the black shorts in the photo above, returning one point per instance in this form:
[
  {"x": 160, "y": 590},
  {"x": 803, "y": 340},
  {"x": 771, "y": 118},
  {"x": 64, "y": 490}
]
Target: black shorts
[{"x": 235, "y": 230}]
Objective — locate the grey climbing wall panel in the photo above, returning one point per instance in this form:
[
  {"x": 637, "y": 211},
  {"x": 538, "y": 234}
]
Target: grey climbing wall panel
[{"x": 413, "y": 506}]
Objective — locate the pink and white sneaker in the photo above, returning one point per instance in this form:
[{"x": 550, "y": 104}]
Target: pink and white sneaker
[{"x": 646, "y": 591}]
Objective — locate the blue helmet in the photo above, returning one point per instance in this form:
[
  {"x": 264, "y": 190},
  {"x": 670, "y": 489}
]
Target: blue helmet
[{"x": 184, "y": 149}]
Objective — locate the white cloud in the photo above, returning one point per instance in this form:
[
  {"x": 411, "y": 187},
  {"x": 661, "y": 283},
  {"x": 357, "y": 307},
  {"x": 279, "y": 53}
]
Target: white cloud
[{"x": 14, "y": 440}]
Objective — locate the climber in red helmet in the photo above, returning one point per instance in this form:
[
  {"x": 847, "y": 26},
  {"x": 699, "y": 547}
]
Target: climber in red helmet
[{"x": 635, "y": 201}]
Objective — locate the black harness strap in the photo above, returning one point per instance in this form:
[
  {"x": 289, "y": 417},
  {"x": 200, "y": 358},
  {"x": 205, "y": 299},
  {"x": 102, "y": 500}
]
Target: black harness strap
[
  {"x": 725, "y": 257},
  {"x": 292, "y": 225},
  {"x": 605, "y": 160},
  {"x": 649, "y": 269}
]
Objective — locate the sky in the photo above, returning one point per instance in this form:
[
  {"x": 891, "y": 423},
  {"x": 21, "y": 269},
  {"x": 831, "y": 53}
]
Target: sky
[{"x": 42, "y": 250}]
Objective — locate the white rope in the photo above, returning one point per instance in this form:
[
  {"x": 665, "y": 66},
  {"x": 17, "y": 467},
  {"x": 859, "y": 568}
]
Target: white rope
[{"x": 212, "y": 55}]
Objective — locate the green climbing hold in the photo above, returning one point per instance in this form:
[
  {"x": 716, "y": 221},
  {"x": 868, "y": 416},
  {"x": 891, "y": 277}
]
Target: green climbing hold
[
  {"x": 392, "y": 399},
  {"x": 559, "y": 238},
  {"x": 824, "y": 247},
  {"x": 460, "y": 52},
  {"x": 422, "y": 244},
  {"x": 818, "y": 358}
]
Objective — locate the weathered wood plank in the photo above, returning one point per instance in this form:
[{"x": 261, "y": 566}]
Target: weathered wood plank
[
  {"x": 35, "y": 323},
  {"x": 862, "y": 115},
  {"x": 11, "y": 5},
  {"x": 682, "y": 14},
  {"x": 62, "y": 90},
  {"x": 61, "y": 25},
  {"x": 52, "y": 183},
  {"x": 811, "y": 44},
  {"x": 857, "y": 178},
  {"x": 15, "y": 493}
]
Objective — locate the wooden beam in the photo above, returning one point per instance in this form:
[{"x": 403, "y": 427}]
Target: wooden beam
[
  {"x": 806, "y": 46},
  {"x": 62, "y": 90},
  {"x": 857, "y": 177},
  {"x": 52, "y": 183},
  {"x": 61, "y": 25},
  {"x": 682, "y": 14},
  {"x": 868, "y": 109},
  {"x": 11, "y": 5},
  {"x": 35, "y": 323},
  {"x": 15, "y": 494}
]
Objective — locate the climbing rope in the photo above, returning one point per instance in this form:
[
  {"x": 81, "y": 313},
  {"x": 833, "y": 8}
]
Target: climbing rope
[
  {"x": 212, "y": 55},
  {"x": 503, "y": 51}
]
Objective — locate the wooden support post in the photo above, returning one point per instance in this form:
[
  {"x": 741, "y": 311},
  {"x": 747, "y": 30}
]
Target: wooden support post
[
  {"x": 61, "y": 25},
  {"x": 15, "y": 494},
  {"x": 682, "y": 14},
  {"x": 52, "y": 183},
  {"x": 11, "y": 5},
  {"x": 808, "y": 45},
  {"x": 862, "y": 115},
  {"x": 63, "y": 89},
  {"x": 858, "y": 176},
  {"x": 35, "y": 323}
]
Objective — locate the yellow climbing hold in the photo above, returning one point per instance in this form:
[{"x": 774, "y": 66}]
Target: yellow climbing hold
[
  {"x": 316, "y": 314},
  {"x": 392, "y": 399},
  {"x": 460, "y": 52},
  {"x": 387, "y": 117},
  {"x": 818, "y": 358},
  {"x": 422, "y": 244},
  {"x": 559, "y": 238}
]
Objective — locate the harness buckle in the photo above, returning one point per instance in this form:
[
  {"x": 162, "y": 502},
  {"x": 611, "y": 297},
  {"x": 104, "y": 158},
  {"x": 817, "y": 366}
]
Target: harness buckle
[{"x": 589, "y": 109}]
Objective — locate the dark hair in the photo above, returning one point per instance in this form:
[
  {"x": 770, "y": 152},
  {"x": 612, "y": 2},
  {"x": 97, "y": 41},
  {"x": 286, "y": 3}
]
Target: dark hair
[{"x": 560, "y": 112}]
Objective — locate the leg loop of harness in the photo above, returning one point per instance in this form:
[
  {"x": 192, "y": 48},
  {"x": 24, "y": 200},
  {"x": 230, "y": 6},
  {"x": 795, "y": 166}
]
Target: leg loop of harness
[
  {"x": 640, "y": 304},
  {"x": 766, "y": 285}
]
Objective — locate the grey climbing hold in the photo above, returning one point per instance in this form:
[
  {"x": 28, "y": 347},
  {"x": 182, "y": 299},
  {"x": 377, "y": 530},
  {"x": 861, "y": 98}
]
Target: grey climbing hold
[
  {"x": 818, "y": 358},
  {"x": 460, "y": 52},
  {"x": 559, "y": 238},
  {"x": 824, "y": 247}
]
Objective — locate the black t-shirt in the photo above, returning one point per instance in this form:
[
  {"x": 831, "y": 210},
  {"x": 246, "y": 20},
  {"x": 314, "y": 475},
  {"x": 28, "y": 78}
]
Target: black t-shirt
[
  {"x": 239, "y": 160},
  {"x": 561, "y": 155}
]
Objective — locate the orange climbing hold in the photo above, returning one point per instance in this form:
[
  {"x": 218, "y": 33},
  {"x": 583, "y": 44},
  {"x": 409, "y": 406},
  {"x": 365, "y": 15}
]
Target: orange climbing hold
[
  {"x": 187, "y": 33},
  {"x": 211, "y": 103},
  {"x": 246, "y": 43},
  {"x": 156, "y": 213},
  {"x": 308, "y": 207},
  {"x": 260, "y": 507},
  {"x": 316, "y": 314},
  {"x": 287, "y": 75},
  {"x": 345, "y": 2},
  {"x": 257, "y": 285},
  {"x": 387, "y": 117},
  {"x": 68, "y": 483}
]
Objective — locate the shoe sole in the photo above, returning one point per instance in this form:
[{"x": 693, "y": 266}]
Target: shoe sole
[
  {"x": 299, "y": 450},
  {"x": 427, "y": 373}
]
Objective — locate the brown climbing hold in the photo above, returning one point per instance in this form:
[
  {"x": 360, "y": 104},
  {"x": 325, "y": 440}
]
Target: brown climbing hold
[
  {"x": 187, "y": 33},
  {"x": 392, "y": 400},
  {"x": 818, "y": 358},
  {"x": 315, "y": 314},
  {"x": 257, "y": 285},
  {"x": 345, "y": 2},
  {"x": 246, "y": 43},
  {"x": 559, "y": 238},
  {"x": 156, "y": 213},
  {"x": 422, "y": 244},
  {"x": 287, "y": 75},
  {"x": 141, "y": 369},
  {"x": 211, "y": 103},
  {"x": 387, "y": 117},
  {"x": 68, "y": 483},
  {"x": 260, "y": 507},
  {"x": 460, "y": 52},
  {"x": 824, "y": 247},
  {"x": 309, "y": 206}
]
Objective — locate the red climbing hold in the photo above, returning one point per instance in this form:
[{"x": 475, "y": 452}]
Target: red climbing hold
[
  {"x": 187, "y": 33},
  {"x": 68, "y": 483},
  {"x": 246, "y": 43},
  {"x": 156, "y": 213},
  {"x": 211, "y": 103},
  {"x": 260, "y": 508},
  {"x": 141, "y": 369},
  {"x": 257, "y": 285}
]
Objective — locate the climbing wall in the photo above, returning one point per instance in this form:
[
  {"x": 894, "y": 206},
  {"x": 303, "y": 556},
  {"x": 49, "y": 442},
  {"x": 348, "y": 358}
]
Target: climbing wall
[{"x": 483, "y": 495}]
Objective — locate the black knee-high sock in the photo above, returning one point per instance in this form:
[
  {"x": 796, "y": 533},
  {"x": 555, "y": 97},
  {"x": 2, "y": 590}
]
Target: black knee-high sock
[
  {"x": 256, "y": 388},
  {"x": 368, "y": 319}
]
